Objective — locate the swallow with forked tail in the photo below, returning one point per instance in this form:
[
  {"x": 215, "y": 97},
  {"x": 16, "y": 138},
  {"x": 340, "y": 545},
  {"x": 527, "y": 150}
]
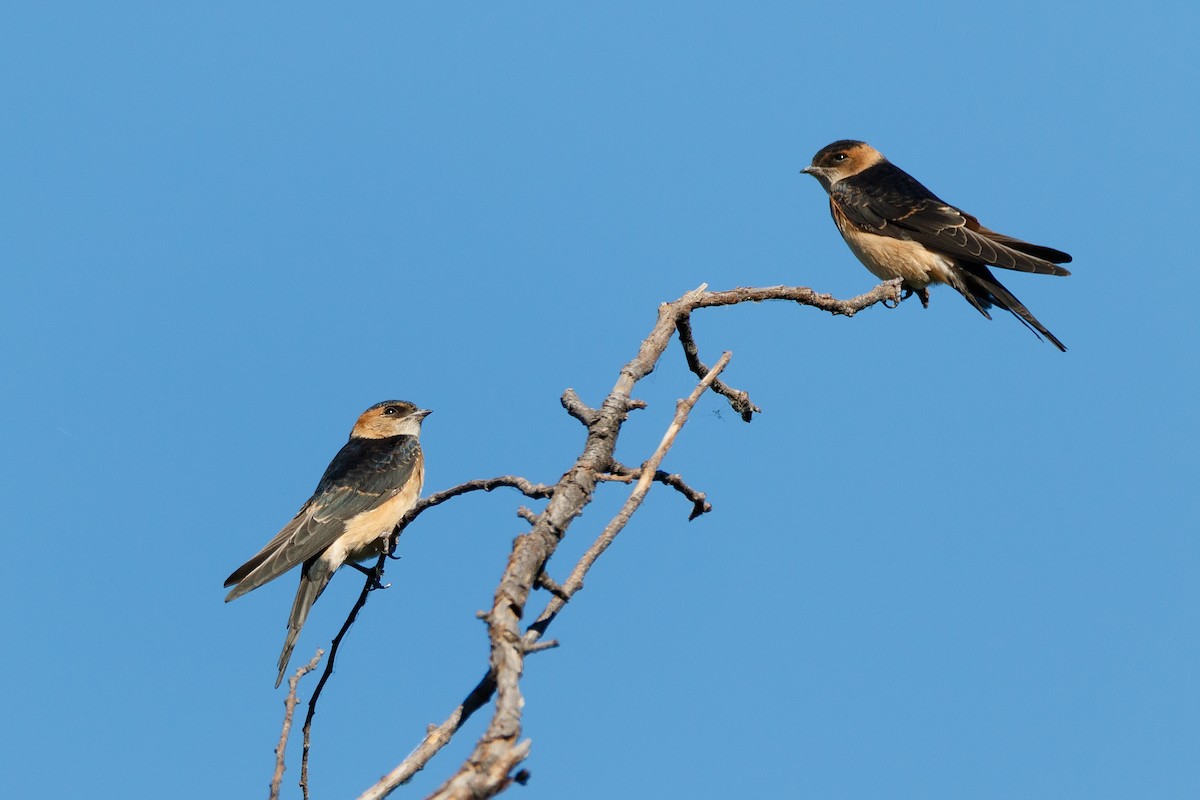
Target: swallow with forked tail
[
  {"x": 899, "y": 229},
  {"x": 370, "y": 484}
]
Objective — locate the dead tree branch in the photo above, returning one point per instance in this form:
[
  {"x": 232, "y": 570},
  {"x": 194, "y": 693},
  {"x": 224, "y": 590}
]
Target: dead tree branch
[
  {"x": 534, "y": 491},
  {"x": 489, "y": 769},
  {"x": 624, "y": 474}
]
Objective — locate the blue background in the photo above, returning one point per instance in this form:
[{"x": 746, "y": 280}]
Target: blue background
[{"x": 946, "y": 561}]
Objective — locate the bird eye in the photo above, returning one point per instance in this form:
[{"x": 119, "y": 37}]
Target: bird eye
[
  {"x": 390, "y": 410},
  {"x": 840, "y": 157}
]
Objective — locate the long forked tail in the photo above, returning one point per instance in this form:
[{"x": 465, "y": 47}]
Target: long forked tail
[
  {"x": 313, "y": 580},
  {"x": 982, "y": 290}
]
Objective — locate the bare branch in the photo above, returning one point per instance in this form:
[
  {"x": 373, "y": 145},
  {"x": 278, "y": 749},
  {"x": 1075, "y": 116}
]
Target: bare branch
[
  {"x": 575, "y": 581},
  {"x": 886, "y": 292},
  {"x": 700, "y": 504},
  {"x": 438, "y": 736},
  {"x": 624, "y": 474},
  {"x": 739, "y": 399},
  {"x": 535, "y": 491},
  {"x": 489, "y": 768},
  {"x": 498, "y": 752}
]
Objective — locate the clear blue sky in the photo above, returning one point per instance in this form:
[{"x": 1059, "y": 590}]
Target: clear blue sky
[{"x": 947, "y": 561}]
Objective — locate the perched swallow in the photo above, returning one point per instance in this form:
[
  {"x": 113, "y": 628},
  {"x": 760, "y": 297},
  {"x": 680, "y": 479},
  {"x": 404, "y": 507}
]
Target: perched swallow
[
  {"x": 370, "y": 484},
  {"x": 899, "y": 229}
]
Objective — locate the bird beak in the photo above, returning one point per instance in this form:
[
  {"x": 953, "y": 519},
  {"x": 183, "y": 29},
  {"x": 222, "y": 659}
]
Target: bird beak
[
  {"x": 423, "y": 413},
  {"x": 809, "y": 171}
]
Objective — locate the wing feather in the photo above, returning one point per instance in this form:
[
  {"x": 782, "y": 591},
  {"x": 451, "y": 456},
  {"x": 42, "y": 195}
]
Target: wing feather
[
  {"x": 364, "y": 474},
  {"x": 886, "y": 200}
]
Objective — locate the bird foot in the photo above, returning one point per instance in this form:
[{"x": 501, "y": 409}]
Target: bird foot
[
  {"x": 922, "y": 295},
  {"x": 374, "y": 574}
]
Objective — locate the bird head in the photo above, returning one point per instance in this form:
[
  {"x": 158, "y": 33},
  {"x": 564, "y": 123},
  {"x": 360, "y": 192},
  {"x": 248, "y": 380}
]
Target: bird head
[
  {"x": 841, "y": 160},
  {"x": 390, "y": 418}
]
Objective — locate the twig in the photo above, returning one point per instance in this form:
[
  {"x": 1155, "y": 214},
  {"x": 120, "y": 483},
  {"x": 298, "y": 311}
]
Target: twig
[
  {"x": 700, "y": 504},
  {"x": 544, "y": 581},
  {"x": 373, "y": 580},
  {"x": 624, "y": 474},
  {"x": 535, "y": 491},
  {"x": 737, "y": 398},
  {"x": 577, "y": 408}
]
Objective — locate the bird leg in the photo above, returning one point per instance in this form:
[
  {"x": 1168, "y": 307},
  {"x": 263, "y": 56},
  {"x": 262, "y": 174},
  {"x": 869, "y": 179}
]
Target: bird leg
[
  {"x": 922, "y": 294},
  {"x": 374, "y": 573}
]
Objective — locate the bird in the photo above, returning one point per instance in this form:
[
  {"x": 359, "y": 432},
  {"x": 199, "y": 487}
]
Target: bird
[
  {"x": 899, "y": 229},
  {"x": 371, "y": 483}
]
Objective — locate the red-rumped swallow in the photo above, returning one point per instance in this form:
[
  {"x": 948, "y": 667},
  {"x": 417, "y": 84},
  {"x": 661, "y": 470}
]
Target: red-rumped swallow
[
  {"x": 899, "y": 229},
  {"x": 370, "y": 484}
]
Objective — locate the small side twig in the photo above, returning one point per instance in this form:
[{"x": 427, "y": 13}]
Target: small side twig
[
  {"x": 544, "y": 581},
  {"x": 537, "y": 647},
  {"x": 577, "y": 408},
  {"x": 737, "y": 398},
  {"x": 700, "y": 504},
  {"x": 699, "y": 500}
]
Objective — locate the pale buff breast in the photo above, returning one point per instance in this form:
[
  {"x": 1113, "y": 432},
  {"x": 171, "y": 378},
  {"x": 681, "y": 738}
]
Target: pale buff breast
[
  {"x": 889, "y": 258},
  {"x": 365, "y": 535}
]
